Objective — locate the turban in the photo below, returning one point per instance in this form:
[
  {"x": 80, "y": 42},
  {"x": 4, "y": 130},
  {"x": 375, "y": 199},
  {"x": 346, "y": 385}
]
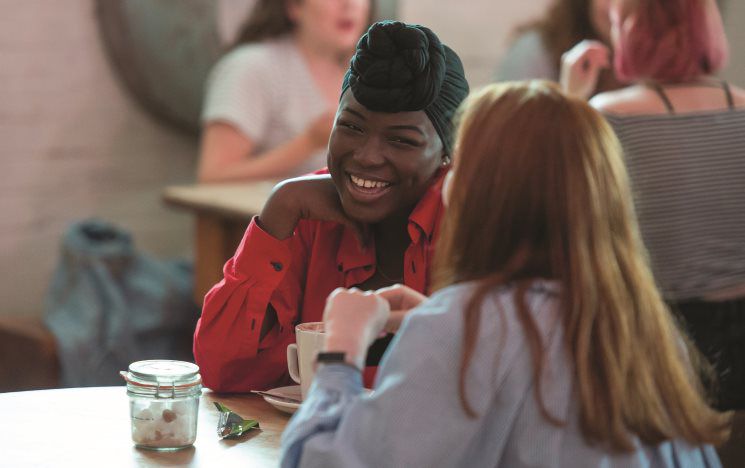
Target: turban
[{"x": 400, "y": 67}]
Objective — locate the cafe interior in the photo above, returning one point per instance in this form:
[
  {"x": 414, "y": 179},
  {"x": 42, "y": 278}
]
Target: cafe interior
[{"x": 372, "y": 233}]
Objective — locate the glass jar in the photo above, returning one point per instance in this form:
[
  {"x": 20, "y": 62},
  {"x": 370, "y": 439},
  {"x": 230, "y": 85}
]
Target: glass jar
[{"x": 163, "y": 403}]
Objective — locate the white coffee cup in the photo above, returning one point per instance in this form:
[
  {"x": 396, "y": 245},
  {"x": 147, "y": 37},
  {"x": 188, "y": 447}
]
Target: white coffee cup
[{"x": 301, "y": 356}]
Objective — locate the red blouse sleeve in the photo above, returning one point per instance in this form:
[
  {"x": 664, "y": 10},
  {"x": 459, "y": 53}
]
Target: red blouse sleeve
[{"x": 227, "y": 346}]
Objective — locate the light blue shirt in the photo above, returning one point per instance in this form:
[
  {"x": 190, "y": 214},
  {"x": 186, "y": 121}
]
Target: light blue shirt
[{"x": 414, "y": 417}]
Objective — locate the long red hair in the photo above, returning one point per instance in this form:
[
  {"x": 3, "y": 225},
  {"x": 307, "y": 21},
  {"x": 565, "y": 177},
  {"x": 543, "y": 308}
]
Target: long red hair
[{"x": 540, "y": 190}]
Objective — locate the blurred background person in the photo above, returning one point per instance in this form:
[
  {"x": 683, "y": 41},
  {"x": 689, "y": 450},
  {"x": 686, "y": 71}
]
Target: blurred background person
[
  {"x": 271, "y": 100},
  {"x": 536, "y": 47},
  {"x": 683, "y": 133},
  {"x": 537, "y": 348}
]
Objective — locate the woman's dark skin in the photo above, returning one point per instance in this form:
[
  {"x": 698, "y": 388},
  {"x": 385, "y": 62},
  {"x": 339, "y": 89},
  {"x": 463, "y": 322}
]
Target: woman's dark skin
[{"x": 400, "y": 151}]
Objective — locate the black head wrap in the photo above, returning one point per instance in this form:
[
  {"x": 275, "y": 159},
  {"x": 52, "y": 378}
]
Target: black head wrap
[{"x": 401, "y": 67}]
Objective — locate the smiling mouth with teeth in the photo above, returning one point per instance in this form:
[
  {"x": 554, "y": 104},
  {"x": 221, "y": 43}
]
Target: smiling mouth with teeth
[{"x": 368, "y": 184}]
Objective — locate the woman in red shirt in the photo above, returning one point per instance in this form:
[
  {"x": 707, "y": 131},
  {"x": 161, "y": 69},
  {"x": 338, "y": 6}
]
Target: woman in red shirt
[{"x": 370, "y": 222}]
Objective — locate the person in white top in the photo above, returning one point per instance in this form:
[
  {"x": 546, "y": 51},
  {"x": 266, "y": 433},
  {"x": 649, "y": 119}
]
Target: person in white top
[{"x": 270, "y": 101}]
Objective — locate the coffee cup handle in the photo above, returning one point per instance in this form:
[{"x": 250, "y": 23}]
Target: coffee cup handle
[{"x": 292, "y": 362}]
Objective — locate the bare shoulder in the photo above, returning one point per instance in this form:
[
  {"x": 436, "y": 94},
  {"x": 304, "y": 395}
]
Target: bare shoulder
[
  {"x": 630, "y": 100},
  {"x": 640, "y": 99}
]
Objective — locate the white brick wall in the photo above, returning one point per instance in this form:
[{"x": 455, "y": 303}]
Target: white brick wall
[{"x": 72, "y": 145}]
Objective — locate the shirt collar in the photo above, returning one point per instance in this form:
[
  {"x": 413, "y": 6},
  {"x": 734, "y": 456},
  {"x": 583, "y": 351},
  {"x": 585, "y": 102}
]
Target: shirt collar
[{"x": 424, "y": 217}]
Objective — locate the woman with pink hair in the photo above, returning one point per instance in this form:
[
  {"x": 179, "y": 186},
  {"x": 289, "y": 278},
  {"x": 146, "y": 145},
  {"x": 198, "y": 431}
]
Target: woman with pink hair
[{"x": 683, "y": 134}]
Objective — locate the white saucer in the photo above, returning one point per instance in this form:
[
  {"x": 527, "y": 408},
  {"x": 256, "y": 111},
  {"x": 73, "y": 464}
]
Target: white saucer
[{"x": 291, "y": 391}]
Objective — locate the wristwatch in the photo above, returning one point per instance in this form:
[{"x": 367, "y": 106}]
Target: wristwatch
[{"x": 333, "y": 357}]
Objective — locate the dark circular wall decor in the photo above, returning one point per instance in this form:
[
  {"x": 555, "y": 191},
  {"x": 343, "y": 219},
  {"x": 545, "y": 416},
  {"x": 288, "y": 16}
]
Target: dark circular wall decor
[{"x": 162, "y": 52}]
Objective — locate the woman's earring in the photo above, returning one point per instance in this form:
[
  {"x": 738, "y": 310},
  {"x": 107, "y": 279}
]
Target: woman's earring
[{"x": 445, "y": 160}]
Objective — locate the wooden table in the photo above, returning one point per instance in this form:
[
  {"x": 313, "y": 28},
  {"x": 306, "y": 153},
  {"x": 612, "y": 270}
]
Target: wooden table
[
  {"x": 222, "y": 212},
  {"x": 91, "y": 427}
]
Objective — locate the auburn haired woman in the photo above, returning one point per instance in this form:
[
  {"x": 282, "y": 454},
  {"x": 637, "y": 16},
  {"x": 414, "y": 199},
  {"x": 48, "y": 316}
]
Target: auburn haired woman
[{"x": 547, "y": 344}]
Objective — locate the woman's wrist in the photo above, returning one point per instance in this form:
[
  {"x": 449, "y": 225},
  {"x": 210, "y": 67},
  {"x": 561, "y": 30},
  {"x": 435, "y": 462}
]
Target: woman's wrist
[{"x": 353, "y": 355}]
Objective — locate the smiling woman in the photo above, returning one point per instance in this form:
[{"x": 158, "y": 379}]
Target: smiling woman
[
  {"x": 370, "y": 222},
  {"x": 382, "y": 163}
]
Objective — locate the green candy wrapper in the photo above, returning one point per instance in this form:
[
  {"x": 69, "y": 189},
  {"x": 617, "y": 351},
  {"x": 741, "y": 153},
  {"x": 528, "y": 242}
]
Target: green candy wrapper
[{"x": 231, "y": 425}]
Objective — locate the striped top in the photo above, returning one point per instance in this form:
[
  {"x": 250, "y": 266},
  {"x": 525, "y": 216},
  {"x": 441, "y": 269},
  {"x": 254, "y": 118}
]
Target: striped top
[
  {"x": 266, "y": 91},
  {"x": 687, "y": 172}
]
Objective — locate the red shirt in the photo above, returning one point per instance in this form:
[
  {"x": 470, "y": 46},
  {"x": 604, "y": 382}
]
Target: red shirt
[{"x": 295, "y": 276}]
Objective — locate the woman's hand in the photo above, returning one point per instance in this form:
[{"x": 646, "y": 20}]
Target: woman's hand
[
  {"x": 581, "y": 67},
  {"x": 308, "y": 197},
  {"x": 401, "y": 299},
  {"x": 352, "y": 320},
  {"x": 228, "y": 155}
]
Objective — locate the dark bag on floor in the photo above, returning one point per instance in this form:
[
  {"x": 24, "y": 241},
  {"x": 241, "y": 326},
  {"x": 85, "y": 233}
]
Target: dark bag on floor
[{"x": 110, "y": 305}]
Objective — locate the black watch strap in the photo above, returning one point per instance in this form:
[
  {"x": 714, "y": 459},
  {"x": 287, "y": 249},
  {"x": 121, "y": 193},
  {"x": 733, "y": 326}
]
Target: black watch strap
[{"x": 331, "y": 357}]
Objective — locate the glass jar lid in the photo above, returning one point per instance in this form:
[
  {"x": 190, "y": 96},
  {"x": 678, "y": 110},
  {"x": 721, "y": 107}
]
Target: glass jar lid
[
  {"x": 165, "y": 371},
  {"x": 159, "y": 375}
]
